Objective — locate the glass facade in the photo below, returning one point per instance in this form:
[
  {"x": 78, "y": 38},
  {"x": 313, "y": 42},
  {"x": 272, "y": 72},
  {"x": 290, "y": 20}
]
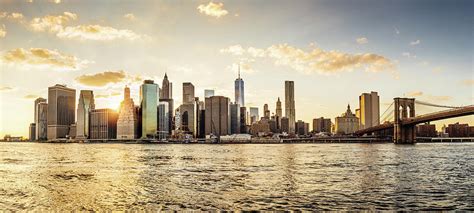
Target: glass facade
[{"x": 148, "y": 103}]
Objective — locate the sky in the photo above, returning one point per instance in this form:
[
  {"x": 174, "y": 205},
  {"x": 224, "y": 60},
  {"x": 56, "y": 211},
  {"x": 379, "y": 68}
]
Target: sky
[{"x": 333, "y": 50}]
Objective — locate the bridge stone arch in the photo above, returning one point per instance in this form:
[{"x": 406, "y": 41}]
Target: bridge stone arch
[{"x": 404, "y": 108}]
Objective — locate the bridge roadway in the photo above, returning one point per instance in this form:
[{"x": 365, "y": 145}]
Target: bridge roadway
[{"x": 451, "y": 113}]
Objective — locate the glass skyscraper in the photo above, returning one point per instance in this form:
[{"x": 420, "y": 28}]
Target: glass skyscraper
[
  {"x": 239, "y": 90},
  {"x": 148, "y": 103}
]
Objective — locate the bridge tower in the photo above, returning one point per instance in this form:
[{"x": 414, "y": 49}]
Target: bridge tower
[{"x": 404, "y": 108}]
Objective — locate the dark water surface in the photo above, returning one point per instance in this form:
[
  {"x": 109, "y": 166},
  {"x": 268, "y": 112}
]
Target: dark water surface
[{"x": 249, "y": 176}]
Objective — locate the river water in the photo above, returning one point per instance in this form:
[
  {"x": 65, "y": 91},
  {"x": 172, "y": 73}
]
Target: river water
[{"x": 62, "y": 177}]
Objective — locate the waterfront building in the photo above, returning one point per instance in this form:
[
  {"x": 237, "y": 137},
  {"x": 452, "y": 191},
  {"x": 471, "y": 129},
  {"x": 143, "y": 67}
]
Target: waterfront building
[
  {"x": 41, "y": 122},
  {"x": 234, "y": 118},
  {"x": 260, "y": 128},
  {"x": 201, "y": 121},
  {"x": 61, "y": 111},
  {"x": 188, "y": 93},
  {"x": 290, "y": 105},
  {"x": 127, "y": 123},
  {"x": 103, "y": 124},
  {"x": 278, "y": 113},
  {"x": 208, "y": 93},
  {"x": 85, "y": 105},
  {"x": 166, "y": 91},
  {"x": 322, "y": 125},
  {"x": 243, "y": 120},
  {"x": 273, "y": 125},
  {"x": 301, "y": 127},
  {"x": 37, "y": 101},
  {"x": 32, "y": 132},
  {"x": 188, "y": 118},
  {"x": 285, "y": 124},
  {"x": 239, "y": 90},
  {"x": 369, "y": 110},
  {"x": 217, "y": 118},
  {"x": 253, "y": 115},
  {"x": 457, "y": 130},
  {"x": 426, "y": 130},
  {"x": 347, "y": 123},
  {"x": 72, "y": 131},
  {"x": 163, "y": 120},
  {"x": 266, "y": 112},
  {"x": 148, "y": 103}
]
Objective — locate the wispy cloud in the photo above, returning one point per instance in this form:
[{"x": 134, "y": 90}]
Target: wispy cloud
[
  {"x": 3, "y": 31},
  {"x": 408, "y": 55},
  {"x": 428, "y": 97},
  {"x": 107, "y": 77},
  {"x": 416, "y": 42},
  {"x": 30, "y": 96},
  {"x": 107, "y": 95},
  {"x": 213, "y": 9},
  {"x": 130, "y": 16},
  {"x": 414, "y": 93},
  {"x": 396, "y": 30},
  {"x": 468, "y": 82},
  {"x": 15, "y": 16},
  {"x": 362, "y": 40},
  {"x": 6, "y": 88},
  {"x": 43, "y": 58},
  {"x": 50, "y": 23},
  {"x": 316, "y": 60}
]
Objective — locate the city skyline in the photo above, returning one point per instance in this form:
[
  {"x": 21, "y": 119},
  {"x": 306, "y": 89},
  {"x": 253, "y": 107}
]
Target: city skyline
[{"x": 65, "y": 53}]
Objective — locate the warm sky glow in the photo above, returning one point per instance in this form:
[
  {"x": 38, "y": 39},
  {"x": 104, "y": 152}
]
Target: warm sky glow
[{"x": 333, "y": 50}]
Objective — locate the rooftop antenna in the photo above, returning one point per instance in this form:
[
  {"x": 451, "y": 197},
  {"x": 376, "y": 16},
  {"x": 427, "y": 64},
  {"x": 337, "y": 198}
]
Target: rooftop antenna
[{"x": 239, "y": 69}]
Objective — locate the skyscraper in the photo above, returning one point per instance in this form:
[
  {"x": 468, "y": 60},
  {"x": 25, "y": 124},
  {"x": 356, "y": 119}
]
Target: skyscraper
[
  {"x": 85, "y": 105},
  {"x": 163, "y": 120},
  {"x": 322, "y": 125},
  {"x": 266, "y": 111},
  {"x": 103, "y": 124},
  {"x": 208, "y": 93},
  {"x": 243, "y": 120},
  {"x": 253, "y": 115},
  {"x": 41, "y": 121},
  {"x": 149, "y": 103},
  {"x": 188, "y": 118},
  {"x": 37, "y": 101},
  {"x": 32, "y": 132},
  {"x": 290, "y": 105},
  {"x": 217, "y": 117},
  {"x": 188, "y": 93},
  {"x": 166, "y": 91},
  {"x": 234, "y": 118},
  {"x": 127, "y": 123},
  {"x": 369, "y": 110},
  {"x": 61, "y": 110},
  {"x": 278, "y": 110},
  {"x": 239, "y": 90}
]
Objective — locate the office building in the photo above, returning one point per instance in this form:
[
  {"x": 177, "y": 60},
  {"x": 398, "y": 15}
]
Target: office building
[
  {"x": 266, "y": 112},
  {"x": 127, "y": 123},
  {"x": 32, "y": 132},
  {"x": 41, "y": 123},
  {"x": 188, "y": 118},
  {"x": 301, "y": 127},
  {"x": 243, "y": 120},
  {"x": 72, "y": 131},
  {"x": 369, "y": 110},
  {"x": 61, "y": 111},
  {"x": 457, "y": 130},
  {"x": 253, "y": 115},
  {"x": 426, "y": 130},
  {"x": 322, "y": 125},
  {"x": 239, "y": 90},
  {"x": 85, "y": 105},
  {"x": 188, "y": 93},
  {"x": 208, "y": 93},
  {"x": 290, "y": 105},
  {"x": 37, "y": 101},
  {"x": 285, "y": 124},
  {"x": 260, "y": 128},
  {"x": 217, "y": 116},
  {"x": 148, "y": 106},
  {"x": 347, "y": 123},
  {"x": 103, "y": 124},
  {"x": 234, "y": 118},
  {"x": 163, "y": 120},
  {"x": 166, "y": 91}
]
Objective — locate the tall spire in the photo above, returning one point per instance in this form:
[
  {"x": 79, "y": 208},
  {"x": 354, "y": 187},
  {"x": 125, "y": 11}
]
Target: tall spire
[
  {"x": 239, "y": 70},
  {"x": 166, "y": 76}
]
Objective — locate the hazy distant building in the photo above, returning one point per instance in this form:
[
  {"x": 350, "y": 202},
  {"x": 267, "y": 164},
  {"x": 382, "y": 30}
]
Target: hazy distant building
[
  {"x": 103, "y": 124},
  {"x": 347, "y": 123},
  {"x": 166, "y": 91},
  {"x": 32, "y": 132},
  {"x": 85, "y": 105},
  {"x": 290, "y": 105},
  {"x": 285, "y": 124},
  {"x": 266, "y": 112},
  {"x": 41, "y": 122},
  {"x": 301, "y": 127},
  {"x": 457, "y": 130},
  {"x": 208, "y": 93},
  {"x": 321, "y": 125},
  {"x": 234, "y": 118},
  {"x": 188, "y": 93},
  {"x": 243, "y": 120},
  {"x": 163, "y": 120},
  {"x": 254, "y": 117},
  {"x": 239, "y": 90},
  {"x": 188, "y": 118},
  {"x": 369, "y": 110},
  {"x": 260, "y": 128},
  {"x": 61, "y": 110},
  {"x": 426, "y": 130},
  {"x": 217, "y": 117},
  {"x": 127, "y": 123},
  {"x": 200, "y": 118},
  {"x": 37, "y": 101},
  {"x": 148, "y": 106}
]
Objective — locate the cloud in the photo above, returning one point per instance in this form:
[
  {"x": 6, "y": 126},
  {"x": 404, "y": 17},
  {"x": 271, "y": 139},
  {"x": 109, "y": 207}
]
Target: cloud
[
  {"x": 437, "y": 69},
  {"x": 414, "y": 94},
  {"x": 99, "y": 33},
  {"x": 468, "y": 82},
  {"x": 50, "y": 23},
  {"x": 40, "y": 57},
  {"x": 413, "y": 43},
  {"x": 3, "y": 31},
  {"x": 16, "y": 17},
  {"x": 107, "y": 95},
  {"x": 362, "y": 40},
  {"x": 213, "y": 9},
  {"x": 130, "y": 16},
  {"x": 316, "y": 59},
  {"x": 408, "y": 55},
  {"x": 30, "y": 96},
  {"x": 5, "y": 89},
  {"x": 396, "y": 31},
  {"x": 102, "y": 79}
]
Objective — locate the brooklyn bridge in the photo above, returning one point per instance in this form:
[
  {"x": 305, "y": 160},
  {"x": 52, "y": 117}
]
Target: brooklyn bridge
[{"x": 401, "y": 119}]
